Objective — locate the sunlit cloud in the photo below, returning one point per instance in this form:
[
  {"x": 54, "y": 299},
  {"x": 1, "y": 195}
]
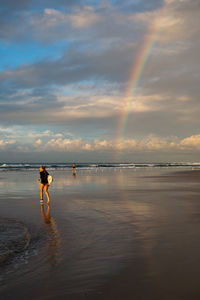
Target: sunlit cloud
[
  {"x": 46, "y": 133},
  {"x": 84, "y": 18},
  {"x": 192, "y": 142},
  {"x": 150, "y": 143},
  {"x": 38, "y": 143},
  {"x": 4, "y": 144}
]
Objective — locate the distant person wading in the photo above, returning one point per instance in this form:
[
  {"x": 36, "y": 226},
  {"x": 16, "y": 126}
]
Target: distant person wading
[
  {"x": 44, "y": 183},
  {"x": 74, "y": 169}
]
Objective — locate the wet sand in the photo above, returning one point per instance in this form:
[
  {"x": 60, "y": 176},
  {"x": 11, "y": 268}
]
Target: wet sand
[{"x": 112, "y": 234}]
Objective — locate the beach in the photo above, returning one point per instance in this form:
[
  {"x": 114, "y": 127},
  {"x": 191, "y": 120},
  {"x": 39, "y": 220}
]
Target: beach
[{"x": 108, "y": 233}]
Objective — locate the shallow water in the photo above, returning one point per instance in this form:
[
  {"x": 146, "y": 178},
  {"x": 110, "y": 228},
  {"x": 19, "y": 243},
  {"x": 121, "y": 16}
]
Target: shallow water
[{"x": 99, "y": 224}]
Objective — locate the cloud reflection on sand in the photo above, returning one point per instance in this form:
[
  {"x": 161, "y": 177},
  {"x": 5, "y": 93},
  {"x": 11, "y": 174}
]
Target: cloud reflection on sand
[
  {"x": 141, "y": 215},
  {"x": 64, "y": 179}
]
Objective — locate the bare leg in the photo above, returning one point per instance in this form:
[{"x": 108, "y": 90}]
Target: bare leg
[
  {"x": 46, "y": 191},
  {"x": 41, "y": 191}
]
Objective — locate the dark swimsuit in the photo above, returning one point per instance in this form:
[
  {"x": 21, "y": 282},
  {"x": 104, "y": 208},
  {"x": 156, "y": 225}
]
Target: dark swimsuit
[{"x": 44, "y": 177}]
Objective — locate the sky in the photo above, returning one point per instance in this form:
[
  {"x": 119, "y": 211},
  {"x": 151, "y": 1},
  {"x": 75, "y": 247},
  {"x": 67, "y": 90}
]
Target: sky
[{"x": 102, "y": 80}]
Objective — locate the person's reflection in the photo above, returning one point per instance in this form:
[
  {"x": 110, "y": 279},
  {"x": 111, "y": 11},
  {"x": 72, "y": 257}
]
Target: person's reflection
[{"x": 53, "y": 236}]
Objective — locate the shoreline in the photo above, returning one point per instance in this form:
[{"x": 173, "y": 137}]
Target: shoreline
[{"x": 14, "y": 238}]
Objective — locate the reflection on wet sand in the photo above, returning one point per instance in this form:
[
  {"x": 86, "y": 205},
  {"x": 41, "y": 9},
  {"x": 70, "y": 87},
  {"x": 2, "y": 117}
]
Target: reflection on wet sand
[
  {"x": 141, "y": 213},
  {"x": 125, "y": 235},
  {"x": 53, "y": 236},
  {"x": 82, "y": 178}
]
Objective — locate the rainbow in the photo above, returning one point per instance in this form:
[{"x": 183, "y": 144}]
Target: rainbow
[{"x": 152, "y": 36}]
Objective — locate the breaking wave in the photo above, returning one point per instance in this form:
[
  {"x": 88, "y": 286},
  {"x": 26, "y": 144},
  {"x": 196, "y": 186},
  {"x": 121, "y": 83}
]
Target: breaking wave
[{"x": 86, "y": 166}]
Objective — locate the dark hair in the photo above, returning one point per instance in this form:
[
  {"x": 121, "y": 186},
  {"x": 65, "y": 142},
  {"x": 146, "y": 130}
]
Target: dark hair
[{"x": 44, "y": 169}]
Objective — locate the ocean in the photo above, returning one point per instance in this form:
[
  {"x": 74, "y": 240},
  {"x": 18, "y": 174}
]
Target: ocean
[{"x": 91, "y": 166}]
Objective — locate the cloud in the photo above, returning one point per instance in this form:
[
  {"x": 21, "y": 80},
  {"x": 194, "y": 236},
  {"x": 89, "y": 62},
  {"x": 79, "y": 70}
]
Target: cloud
[
  {"x": 85, "y": 18},
  {"x": 96, "y": 111},
  {"x": 16, "y": 16},
  {"x": 82, "y": 17},
  {"x": 110, "y": 65},
  {"x": 150, "y": 143},
  {"x": 38, "y": 143},
  {"x": 46, "y": 133},
  {"x": 108, "y": 53},
  {"x": 149, "y": 148},
  {"x": 65, "y": 144},
  {"x": 192, "y": 142},
  {"x": 5, "y": 144},
  {"x": 83, "y": 91}
]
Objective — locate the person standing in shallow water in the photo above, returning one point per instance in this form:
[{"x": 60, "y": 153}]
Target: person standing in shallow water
[
  {"x": 74, "y": 169},
  {"x": 44, "y": 183}
]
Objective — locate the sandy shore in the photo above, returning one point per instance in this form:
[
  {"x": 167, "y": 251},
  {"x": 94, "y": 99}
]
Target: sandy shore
[{"x": 106, "y": 235}]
